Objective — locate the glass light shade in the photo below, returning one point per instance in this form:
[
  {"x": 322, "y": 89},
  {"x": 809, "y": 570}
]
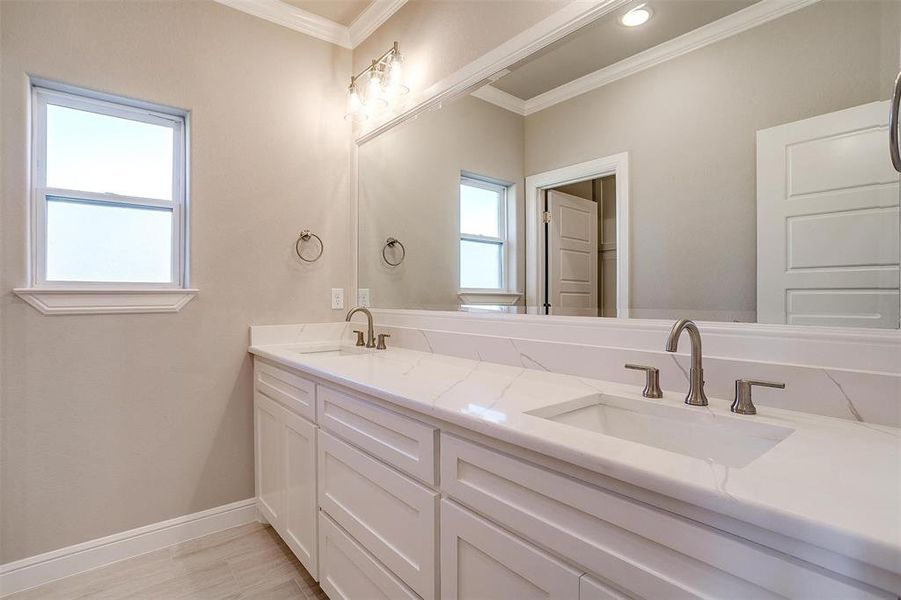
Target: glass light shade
[
  {"x": 374, "y": 89},
  {"x": 374, "y": 101},
  {"x": 396, "y": 85},
  {"x": 354, "y": 104}
]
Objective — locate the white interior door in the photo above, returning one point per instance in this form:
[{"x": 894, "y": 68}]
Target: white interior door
[
  {"x": 827, "y": 221},
  {"x": 572, "y": 267}
]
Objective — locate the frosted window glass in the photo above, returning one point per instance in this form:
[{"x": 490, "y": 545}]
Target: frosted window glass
[
  {"x": 479, "y": 211},
  {"x": 90, "y": 152},
  {"x": 108, "y": 242},
  {"x": 480, "y": 265}
]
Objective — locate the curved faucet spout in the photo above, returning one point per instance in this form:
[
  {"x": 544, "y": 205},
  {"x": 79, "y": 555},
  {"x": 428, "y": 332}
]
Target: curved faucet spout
[
  {"x": 370, "y": 334},
  {"x": 696, "y": 395}
]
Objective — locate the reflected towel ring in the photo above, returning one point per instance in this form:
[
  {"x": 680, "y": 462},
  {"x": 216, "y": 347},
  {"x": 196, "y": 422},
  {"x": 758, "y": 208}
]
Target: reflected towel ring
[
  {"x": 305, "y": 236},
  {"x": 391, "y": 242}
]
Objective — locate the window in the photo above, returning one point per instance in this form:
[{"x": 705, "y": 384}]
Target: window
[
  {"x": 108, "y": 193},
  {"x": 483, "y": 234}
]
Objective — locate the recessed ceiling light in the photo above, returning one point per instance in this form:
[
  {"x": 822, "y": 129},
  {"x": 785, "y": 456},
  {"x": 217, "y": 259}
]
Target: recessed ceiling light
[{"x": 637, "y": 16}]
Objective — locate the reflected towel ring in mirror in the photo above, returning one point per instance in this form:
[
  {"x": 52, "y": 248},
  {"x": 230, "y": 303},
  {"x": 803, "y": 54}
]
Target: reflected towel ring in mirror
[
  {"x": 392, "y": 242},
  {"x": 305, "y": 236}
]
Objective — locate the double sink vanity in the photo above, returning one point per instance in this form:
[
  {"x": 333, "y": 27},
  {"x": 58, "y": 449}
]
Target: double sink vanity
[
  {"x": 395, "y": 473},
  {"x": 734, "y": 163}
]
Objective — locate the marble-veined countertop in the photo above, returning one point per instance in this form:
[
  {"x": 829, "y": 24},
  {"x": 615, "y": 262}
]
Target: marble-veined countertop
[{"x": 833, "y": 483}]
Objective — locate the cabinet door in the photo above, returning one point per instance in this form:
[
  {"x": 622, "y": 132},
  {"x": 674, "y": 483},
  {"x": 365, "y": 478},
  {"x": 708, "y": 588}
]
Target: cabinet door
[
  {"x": 269, "y": 435},
  {"x": 388, "y": 513},
  {"x": 479, "y": 560},
  {"x": 299, "y": 511},
  {"x": 349, "y": 572}
]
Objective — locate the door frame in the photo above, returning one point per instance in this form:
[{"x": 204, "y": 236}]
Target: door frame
[{"x": 615, "y": 164}]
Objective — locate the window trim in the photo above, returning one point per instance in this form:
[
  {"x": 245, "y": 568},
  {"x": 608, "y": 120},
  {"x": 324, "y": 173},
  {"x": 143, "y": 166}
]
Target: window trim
[
  {"x": 80, "y": 297},
  {"x": 503, "y": 190}
]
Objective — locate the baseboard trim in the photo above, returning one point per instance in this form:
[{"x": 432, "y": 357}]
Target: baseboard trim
[{"x": 44, "y": 568}]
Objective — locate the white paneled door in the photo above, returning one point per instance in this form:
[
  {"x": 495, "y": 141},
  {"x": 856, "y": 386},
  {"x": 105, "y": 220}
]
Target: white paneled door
[
  {"x": 827, "y": 221},
  {"x": 572, "y": 267}
]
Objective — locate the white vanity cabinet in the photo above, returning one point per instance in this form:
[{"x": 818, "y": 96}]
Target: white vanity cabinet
[
  {"x": 285, "y": 468},
  {"x": 648, "y": 552},
  {"x": 379, "y": 504}
]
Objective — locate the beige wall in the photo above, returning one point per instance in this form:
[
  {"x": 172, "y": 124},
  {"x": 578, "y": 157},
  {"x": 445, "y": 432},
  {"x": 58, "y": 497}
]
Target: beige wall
[
  {"x": 410, "y": 190},
  {"x": 115, "y": 421},
  {"x": 438, "y": 37},
  {"x": 689, "y": 126}
]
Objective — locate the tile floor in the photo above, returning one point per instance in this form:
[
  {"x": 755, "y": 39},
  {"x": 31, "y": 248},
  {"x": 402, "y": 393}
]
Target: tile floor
[{"x": 243, "y": 563}]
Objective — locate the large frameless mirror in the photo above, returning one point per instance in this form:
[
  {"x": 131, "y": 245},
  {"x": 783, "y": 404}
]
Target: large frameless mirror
[{"x": 721, "y": 160}]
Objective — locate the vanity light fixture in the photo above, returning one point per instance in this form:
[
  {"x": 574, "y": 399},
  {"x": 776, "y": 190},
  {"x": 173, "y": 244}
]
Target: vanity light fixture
[
  {"x": 384, "y": 82},
  {"x": 637, "y": 16}
]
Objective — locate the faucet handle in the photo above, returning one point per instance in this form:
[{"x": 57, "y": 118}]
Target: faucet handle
[
  {"x": 360, "y": 341},
  {"x": 742, "y": 403},
  {"x": 652, "y": 380},
  {"x": 381, "y": 343}
]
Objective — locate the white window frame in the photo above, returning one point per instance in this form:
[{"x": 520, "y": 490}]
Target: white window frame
[
  {"x": 502, "y": 190},
  {"x": 76, "y": 297}
]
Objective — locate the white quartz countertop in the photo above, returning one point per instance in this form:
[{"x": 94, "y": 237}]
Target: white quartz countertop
[{"x": 833, "y": 483}]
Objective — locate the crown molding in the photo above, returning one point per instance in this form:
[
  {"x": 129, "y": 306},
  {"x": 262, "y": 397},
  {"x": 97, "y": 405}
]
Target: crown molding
[
  {"x": 282, "y": 13},
  {"x": 552, "y": 28},
  {"x": 748, "y": 18},
  {"x": 491, "y": 94},
  {"x": 371, "y": 19},
  {"x": 286, "y": 15}
]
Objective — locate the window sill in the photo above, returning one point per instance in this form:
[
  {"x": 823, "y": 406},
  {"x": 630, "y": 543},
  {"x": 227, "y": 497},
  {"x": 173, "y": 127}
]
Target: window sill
[
  {"x": 497, "y": 298},
  {"x": 100, "y": 301}
]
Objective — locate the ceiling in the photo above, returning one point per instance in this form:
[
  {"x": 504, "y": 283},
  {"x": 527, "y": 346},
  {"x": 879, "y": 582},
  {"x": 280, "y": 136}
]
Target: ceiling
[
  {"x": 339, "y": 11},
  {"x": 607, "y": 41}
]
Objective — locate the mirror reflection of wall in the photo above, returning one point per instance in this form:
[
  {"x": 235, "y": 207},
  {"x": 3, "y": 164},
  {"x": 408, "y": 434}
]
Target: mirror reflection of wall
[{"x": 759, "y": 185}]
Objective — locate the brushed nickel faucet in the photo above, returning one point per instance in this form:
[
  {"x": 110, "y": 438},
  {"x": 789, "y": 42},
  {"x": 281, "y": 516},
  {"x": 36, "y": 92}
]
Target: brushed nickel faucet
[
  {"x": 370, "y": 334},
  {"x": 696, "y": 395}
]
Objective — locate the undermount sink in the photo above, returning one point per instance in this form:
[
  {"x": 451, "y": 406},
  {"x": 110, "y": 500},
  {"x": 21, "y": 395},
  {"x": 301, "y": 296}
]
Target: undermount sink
[
  {"x": 325, "y": 349},
  {"x": 684, "y": 430}
]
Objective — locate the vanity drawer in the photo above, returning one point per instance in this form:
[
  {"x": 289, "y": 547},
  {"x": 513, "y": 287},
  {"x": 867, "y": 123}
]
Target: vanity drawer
[
  {"x": 293, "y": 391},
  {"x": 398, "y": 440},
  {"x": 348, "y": 572},
  {"x": 647, "y": 552},
  {"x": 388, "y": 513}
]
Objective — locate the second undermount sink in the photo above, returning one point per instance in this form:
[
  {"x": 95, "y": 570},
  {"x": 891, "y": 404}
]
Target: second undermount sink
[
  {"x": 684, "y": 430},
  {"x": 327, "y": 349}
]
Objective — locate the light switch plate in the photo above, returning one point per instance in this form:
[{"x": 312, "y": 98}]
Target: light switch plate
[
  {"x": 363, "y": 297},
  {"x": 337, "y": 298}
]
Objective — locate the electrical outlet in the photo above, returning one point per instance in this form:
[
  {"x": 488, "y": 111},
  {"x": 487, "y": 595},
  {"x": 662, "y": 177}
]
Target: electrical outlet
[
  {"x": 337, "y": 297},
  {"x": 363, "y": 297}
]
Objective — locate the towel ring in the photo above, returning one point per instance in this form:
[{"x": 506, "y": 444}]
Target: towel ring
[
  {"x": 305, "y": 236},
  {"x": 391, "y": 242}
]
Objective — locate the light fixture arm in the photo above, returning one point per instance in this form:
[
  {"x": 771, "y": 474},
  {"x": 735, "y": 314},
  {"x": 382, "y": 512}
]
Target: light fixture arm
[
  {"x": 378, "y": 62},
  {"x": 384, "y": 83}
]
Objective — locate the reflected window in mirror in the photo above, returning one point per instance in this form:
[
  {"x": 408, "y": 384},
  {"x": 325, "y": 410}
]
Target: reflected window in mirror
[{"x": 483, "y": 234}]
